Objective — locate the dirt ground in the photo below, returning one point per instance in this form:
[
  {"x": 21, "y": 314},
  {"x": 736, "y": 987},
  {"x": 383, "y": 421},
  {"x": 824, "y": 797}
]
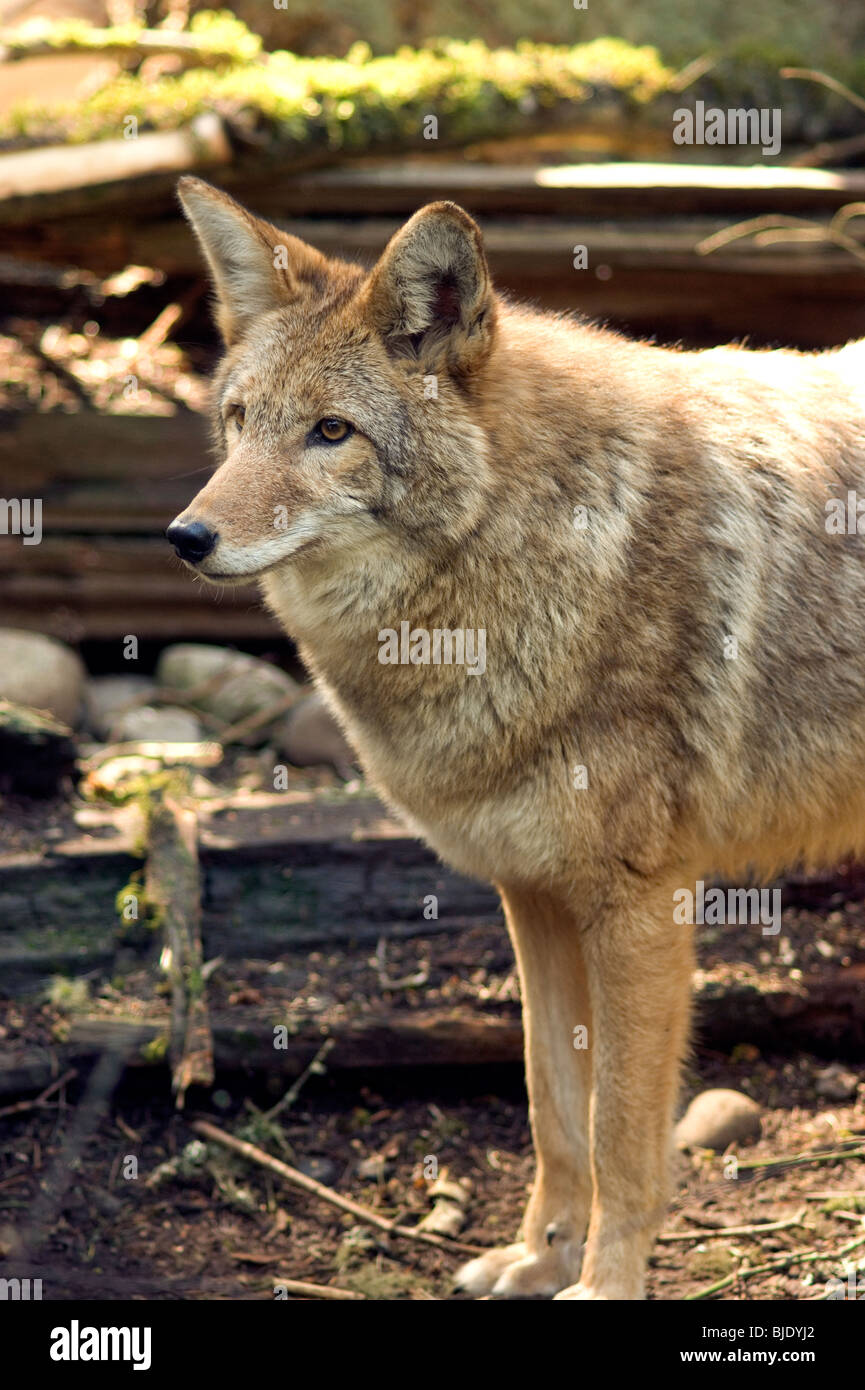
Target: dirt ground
[
  {"x": 98, "y": 1226},
  {"x": 81, "y": 1192}
]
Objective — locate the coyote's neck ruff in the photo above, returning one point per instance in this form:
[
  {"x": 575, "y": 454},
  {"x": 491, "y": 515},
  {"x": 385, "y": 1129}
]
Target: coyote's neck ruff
[{"x": 673, "y": 676}]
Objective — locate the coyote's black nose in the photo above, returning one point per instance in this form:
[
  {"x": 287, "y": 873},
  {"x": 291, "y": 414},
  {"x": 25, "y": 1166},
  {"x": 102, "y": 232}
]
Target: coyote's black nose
[{"x": 192, "y": 540}]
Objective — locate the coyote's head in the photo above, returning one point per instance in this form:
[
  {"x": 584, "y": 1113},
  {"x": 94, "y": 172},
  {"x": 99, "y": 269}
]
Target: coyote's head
[{"x": 345, "y": 408}]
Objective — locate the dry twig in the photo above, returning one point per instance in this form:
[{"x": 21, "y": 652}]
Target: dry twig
[
  {"x": 317, "y": 1189},
  {"x": 22, "y": 1105},
  {"x": 758, "y": 1230},
  {"x": 301, "y": 1289}
]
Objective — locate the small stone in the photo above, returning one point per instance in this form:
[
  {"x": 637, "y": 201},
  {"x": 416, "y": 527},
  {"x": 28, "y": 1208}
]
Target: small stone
[
  {"x": 107, "y": 697},
  {"x": 373, "y": 1169},
  {"x": 156, "y": 724},
  {"x": 316, "y": 1166},
  {"x": 835, "y": 1083},
  {"x": 718, "y": 1118},
  {"x": 42, "y": 674},
  {"x": 310, "y": 735},
  {"x": 242, "y": 685}
]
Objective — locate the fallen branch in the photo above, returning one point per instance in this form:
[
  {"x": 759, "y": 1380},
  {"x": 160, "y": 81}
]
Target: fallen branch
[
  {"x": 737, "y": 1230},
  {"x": 302, "y": 1289},
  {"x": 21, "y": 1105},
  {"x": 317, "y": 1189},
  {"x": 200, "y": 754},
  {"x": 27, "y": 177},
  {"x": 823, "y": 1196},
  {"x": 824, "y": 80},
  {"x": 173, "y": 883},
  {"x": 259, "y": 719},
  {"x": 782, "y": 1262},
  {"x": 316, "y": 1067},
  {"x": 830, "y": 152},
  {"x": 798, "y": 1160}
]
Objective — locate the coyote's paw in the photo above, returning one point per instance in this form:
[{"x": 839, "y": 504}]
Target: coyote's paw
[
  {"x": 481, "y": 1275},
  {"x": 581, "y": 1291},
  {"x": 512, "y": 1272}
]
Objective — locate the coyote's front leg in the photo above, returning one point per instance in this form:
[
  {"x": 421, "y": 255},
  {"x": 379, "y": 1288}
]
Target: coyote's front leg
[
  {"x": 546, "y": 941},
  {"x": 639, "y": 965}
]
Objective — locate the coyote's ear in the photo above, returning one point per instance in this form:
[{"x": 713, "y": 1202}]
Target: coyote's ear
[
  {"x": 255, "y": 267},
  {"x": 431, "y": 290}
]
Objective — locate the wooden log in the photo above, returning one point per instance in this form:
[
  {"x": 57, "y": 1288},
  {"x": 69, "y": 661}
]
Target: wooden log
[
  {"x": 172, "y": 882},
  {"x": 244, "y": 1043},
  {"x": 620, "y": 191},
  {"x": 825, "y": 1015},
  {"x": 291, "y": 870},
  {"x": 381, "y": 187},
  {"x": 62, "y": 177},
  {"x": 57, "y": 911},
  {"x": 648, "y": 279}
]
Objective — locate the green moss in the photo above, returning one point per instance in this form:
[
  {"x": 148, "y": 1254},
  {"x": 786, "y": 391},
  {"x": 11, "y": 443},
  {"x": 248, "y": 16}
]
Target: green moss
[
  {"x": 216, "y": 34},
  {"x": 156, "y": 1050},
  {"x": 71, "y": 996},
  {"x": 194, "y": 983},
  {"x": 150, "y": 914},
  {"x": 359, "y": 102}
]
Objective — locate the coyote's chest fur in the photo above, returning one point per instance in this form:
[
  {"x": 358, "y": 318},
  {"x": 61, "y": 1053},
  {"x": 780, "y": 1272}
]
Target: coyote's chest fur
[{"x": 439, "y": 756}]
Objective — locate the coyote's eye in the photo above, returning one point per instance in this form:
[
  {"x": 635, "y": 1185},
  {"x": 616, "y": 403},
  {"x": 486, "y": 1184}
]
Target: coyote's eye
[
  {"x": 236, "y": 415},
  {"x": 333, "y": 429}
]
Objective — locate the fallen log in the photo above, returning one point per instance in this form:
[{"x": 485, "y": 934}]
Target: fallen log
[
  {"x": 68, "y": 177},
  {"x": 172, "y": 883},
  {"x": 825, "y": 1015},
  {"x": 279, "y": 870}
]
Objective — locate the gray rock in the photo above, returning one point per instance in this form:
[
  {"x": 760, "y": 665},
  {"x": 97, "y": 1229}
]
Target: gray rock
[
  {"x": 156, "y": 724},
  {"x": 717, "y": 1118},
  {"x": 836, "y": 1083},
  {"x": 41, "y": 673},
  {"x": 107, "y": 697},
  {"x": 310, "y": 735},
  {"x": 247, "y": 685},
  {"x": 317, "y": 1166}
]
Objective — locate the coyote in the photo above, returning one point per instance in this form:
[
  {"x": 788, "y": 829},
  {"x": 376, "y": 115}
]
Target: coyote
[{"x": 674, "y": 680}]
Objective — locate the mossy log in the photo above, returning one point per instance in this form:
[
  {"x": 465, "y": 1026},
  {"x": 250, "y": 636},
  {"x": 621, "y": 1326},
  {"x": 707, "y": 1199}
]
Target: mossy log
[
  {"x": 297, "y": 108},
  {"x": 295, "y": 870},
  {"x": 70, "y": 177},
  {"x": 172, "y": 886},
  {"x": 825, "y": 1015}
]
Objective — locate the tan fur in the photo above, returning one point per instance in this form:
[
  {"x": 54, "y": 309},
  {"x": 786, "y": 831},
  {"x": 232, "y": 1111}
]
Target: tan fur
[{"x": 705, "y": 478}]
